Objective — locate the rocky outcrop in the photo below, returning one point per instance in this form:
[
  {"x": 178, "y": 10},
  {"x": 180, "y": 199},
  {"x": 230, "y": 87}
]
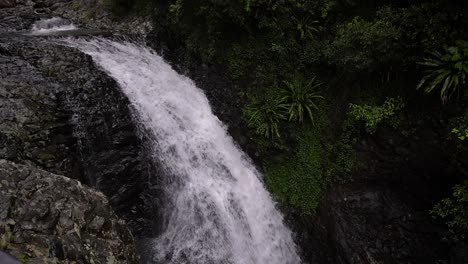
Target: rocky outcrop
[
  {"x": 33, "y": 129},
  {"x": 60, "y": 113},
  {"x": 49, "y": 218},
  {"x": 19, "y": 15},
  {"x": 66, "y": 116}
]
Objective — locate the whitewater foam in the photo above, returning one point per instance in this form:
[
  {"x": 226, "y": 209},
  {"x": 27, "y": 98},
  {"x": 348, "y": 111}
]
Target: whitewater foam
[
  {"x": 217, "y": 210},
  {"x": 51, "y": 25}
]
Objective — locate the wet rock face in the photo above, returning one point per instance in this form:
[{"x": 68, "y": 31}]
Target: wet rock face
[
  {"x": 46, "y": 217},
  {"x": 33, "y": 128},
  {"x": 66, "y": 116},
  {"x": 61, "y": 113}
]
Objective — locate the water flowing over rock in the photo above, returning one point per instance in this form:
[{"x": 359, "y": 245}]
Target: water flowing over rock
[
  {"x": 216, "y": 209},
  {"x": 55, "y": 24}
]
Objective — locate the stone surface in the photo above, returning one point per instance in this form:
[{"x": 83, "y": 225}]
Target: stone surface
[
  {"x": 20, "y": 15},
  {"x": 47, "y": 218},
  {"x": 65, "y": 115},
  {"x": 59, "y": 112}
]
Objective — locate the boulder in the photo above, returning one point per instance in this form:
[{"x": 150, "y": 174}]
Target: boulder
[{"x": 49, "y": 218}]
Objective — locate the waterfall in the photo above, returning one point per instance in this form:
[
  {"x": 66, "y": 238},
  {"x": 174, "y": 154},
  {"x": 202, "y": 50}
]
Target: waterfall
[{"x": 217, "y": 210}]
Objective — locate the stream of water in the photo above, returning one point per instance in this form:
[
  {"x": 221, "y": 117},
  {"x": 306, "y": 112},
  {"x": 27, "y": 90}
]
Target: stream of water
[{"x": 217, "y": 210}]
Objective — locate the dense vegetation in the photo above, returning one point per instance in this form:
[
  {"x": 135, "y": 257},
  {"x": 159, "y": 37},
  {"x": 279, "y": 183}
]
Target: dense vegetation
[{"x": 310, "y": 68}]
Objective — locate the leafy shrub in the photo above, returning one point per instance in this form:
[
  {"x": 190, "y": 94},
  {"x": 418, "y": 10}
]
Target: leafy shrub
[
  {"x": 454, "y": 211},
  {"x": 421, "y": 27},
  {"x": 461, "y": 134},
  {"x": 362, "y": 45},
  {"x": 297, "y": 180},
  {"x": 373, "y": 116},
  {"x": 298, "y": 98},
  {"x": 459, "y": 126},
  {"x": 447, "y": 71}
]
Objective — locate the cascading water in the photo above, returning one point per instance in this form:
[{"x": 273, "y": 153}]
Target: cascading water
[
  {"x": 51, "y": 25},
  {"x": 217, "y": 209}
]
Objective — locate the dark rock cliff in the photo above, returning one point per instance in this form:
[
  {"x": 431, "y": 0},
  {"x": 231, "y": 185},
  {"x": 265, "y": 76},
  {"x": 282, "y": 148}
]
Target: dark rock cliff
[
  {"x": 76, "y": 122},
  {"x": 62, "y": 114}
]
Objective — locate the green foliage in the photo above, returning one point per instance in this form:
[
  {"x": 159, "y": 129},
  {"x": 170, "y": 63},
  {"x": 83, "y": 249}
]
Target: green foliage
[
  {"x": 446, "y": 71},
  {"x": 461, "y": 134},
  {"x": 298, "y": 98},
  {"x": 426, "y": 26},
  {"x": 454, "y": 211},
  {"x": 459, "y": 126},
  {"x": 361, "y": 44},
  {"x": 297, "y": 179},
  {"x": 24, "y": 258},
  {"x": 373, "y": 116},
  {"x": 292, "y": 103},
  {"x": 265, "y": 117},
  {"x": 341, "y": 162},
  {"x": 261, "y": 43}
]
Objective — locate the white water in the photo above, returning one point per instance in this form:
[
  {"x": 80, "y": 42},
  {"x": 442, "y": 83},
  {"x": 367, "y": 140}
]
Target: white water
[
  {"x": 217, "y": 209},
  {"x": 51, "y": 25}
]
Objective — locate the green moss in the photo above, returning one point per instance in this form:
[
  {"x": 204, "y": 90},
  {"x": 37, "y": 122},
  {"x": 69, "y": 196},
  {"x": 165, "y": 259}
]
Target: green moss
[
  {"x": 24, "y": 258},
  {"x": 297, "y": 180}
]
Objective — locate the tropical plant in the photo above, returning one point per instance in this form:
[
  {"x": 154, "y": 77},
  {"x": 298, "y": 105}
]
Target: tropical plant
[
  {"x": 265, "y": 117},
  {"x": 299, "y": 98},
  {"x": 454, "y": 211},
  {"x": 447, "y": 71},
  {"x": 306, "y": 26}
]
